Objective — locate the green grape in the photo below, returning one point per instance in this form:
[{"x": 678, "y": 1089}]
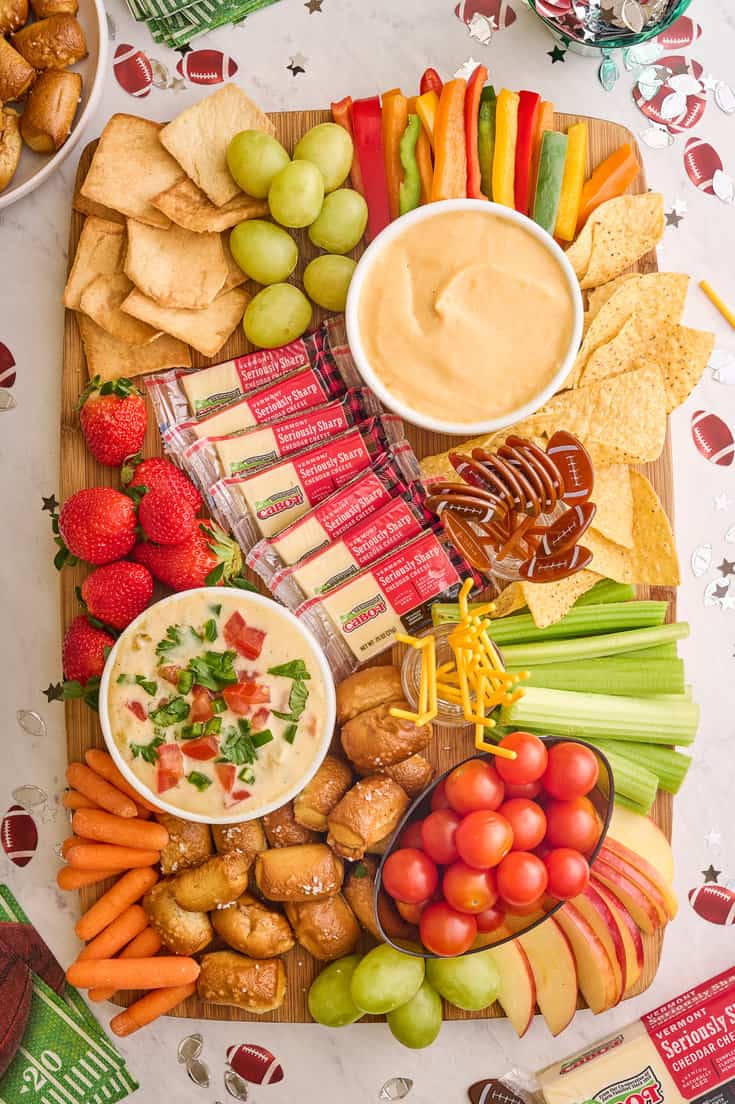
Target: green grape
[
  {"x": 296, "y": 194},
  {"x": 341, "y": 221},
  {"x": 263, "y": 251},
  {"x": 330, "y": 1002},
  {"x": 254, "y": 158},
  {"x": 330, "y": 148},
  {"x": 326, "y": 280},
  {"x": 276, "y": 315},
  {"x": 385, "y": 979},
  {"x": 418, "y": 1022},
  {"x": 470, "y": 982}
]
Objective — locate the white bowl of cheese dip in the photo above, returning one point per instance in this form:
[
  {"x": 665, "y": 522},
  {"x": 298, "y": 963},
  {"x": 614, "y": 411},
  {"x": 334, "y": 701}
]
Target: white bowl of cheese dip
[
  {"x": 217, "y": 705},
  {"x": 464, "y": 316}
]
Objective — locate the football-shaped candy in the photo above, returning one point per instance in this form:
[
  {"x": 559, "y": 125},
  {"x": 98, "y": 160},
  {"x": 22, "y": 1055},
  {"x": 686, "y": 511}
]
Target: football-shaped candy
[
  {"x": 492, "y": 1091},
  {"x": 682, "y": 33},
  {"x": 255, "y": 1064},
  {"x": 25, "y": 942},
  {"x": 498, "y": 10},
  {"x": 132, "y": 70},
  {"x": 567, "y": 529},
  {"x": 713, "y": 902},
  {"x": 19, "y": 835},
  {"x": 701, "y": 161},
  {"x": 574, "y": 466},
  {"x": 7, "y": 366},
  {"x": 549, "y": 569},
  {"x": 16, "y": 982},
  {"x": 713, "y": 438},
  {"x": 206, "y": 67}
]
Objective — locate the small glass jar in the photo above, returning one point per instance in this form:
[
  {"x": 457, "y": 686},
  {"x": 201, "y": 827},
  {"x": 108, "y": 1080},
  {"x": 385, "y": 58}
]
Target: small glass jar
[
  {"x": 449, "y": 714},
  {"x": 593, "y": 48}
]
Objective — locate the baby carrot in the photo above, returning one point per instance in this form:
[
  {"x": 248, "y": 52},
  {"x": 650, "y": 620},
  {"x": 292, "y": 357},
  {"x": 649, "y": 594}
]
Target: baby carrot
[
  {"x": 67, "y": 878},
  {"x": 114, "y": 937},
  {"x": 102, "y": 763},
  {"x": 126, "y": 891},
  {"x": 91, "y": 785},
  {"x": 145, "y": 945},
  {"x": 95, "y": 824},
  {"x": 72, "y": 799},
  {"x": 133, "y": 973},
  {"x": 106, "y": 856},
  {"x": 149, "y": 1008},
  {"x": 70, "y": 841}
]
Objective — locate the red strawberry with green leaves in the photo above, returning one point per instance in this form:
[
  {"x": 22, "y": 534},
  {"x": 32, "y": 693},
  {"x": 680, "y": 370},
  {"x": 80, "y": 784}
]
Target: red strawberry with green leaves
[
  {"x": 207, "y": 558},
  {"x": 113, "y": 419},
  {"x": 116, "y": 593},
  {"x": 159, "y": 474},
  {"x": 97, "y": 525},
  {"x": 84, "y": 651},
  {"x": 166, "y": 517}
]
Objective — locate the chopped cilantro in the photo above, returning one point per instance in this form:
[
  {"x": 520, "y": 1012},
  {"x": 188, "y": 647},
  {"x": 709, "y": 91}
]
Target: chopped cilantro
[
  {"x": 149, "y": 751},
  {"x": 122, "y": 679},
  {"x": 296, "y": 702},
  {"x": 213, "y": 670},
  {"x": 185, "y": 682},
  {"x": 237, "y": 745},
  {"x": 176, "y": 710},
  {"x": 209, "y": 630},
  {"x": 148, "y": 685},
  {"x": 171, "y": 640},
  {"x": 201, "y": 781},
  {"x": 247, "y": 774},
  {"x": 294, "y": 669},
  {"x": 216, "y": 608}
]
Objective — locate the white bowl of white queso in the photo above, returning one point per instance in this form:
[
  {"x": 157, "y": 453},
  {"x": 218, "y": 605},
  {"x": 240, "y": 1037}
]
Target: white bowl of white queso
[
  {"x": 464, "y": 316},
  {"x": 217, "y": 705}
]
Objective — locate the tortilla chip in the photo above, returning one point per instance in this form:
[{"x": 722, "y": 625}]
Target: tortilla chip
[
  {"x": 129, "y": 167},
  {"x": 615, "y": 236},
  {"x": 510, "y": 600},
  {"x": 549, "y": 602},
  {"x": 99, "y": 253},
  {"x": 187, "y": 206},
  {"x": 101, "y": 300},
  {"x": 110, "y": 359},
  {"x": 198, "y": 138},
  {"x": 613, "y": 497},
  {"x": 91, "y": 207},
  {"x": 682, "y": 354},
  {"x": 652, "y": 559},
  {"x": 207, "y": 329},
  {"x": 597, "y": 298},
  {"x": 175, "y": 267}
]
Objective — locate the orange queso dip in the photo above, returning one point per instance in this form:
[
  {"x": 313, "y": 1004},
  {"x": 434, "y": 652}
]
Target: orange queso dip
[
  {"x": 216, "y": 703},
  {"x": 465, "y": 316}
]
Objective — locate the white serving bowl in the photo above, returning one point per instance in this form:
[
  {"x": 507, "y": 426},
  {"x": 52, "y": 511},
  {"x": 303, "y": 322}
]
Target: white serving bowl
[
  {"x": 325, "y": 736},
  {"x": 373, "y": 253},
  {"x": 34, "y": 168}
]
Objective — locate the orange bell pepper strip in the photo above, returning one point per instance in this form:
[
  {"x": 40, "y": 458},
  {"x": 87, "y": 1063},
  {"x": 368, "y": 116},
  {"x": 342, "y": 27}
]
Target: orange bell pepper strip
[
  {"x": 504, "y": 160},
  {"x": 450, "y": 156},
  {"x": 610, "y": 179},
  {"x": 431, "y": 82},
  {"x": 423, "y": 156},
  {"x": 471, "y": 113},
  {"x": 544, "y": 121},
  {"x": 528, "y": 107},
  {"x": 426, "y": 105},
  {"x": 575, "y": 167},
  {"x": 342, "y": 115},
  {"x": 395, "y": 120}
]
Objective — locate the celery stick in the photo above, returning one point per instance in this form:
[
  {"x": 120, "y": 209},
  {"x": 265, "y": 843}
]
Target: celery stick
[
  {"x": 632, "y": 805},
  {"x": 631, "y": 780},
  {"x": 670, "y": 765},
  {"x": 610, "y": 676},
  {"x": 664, "y": 651},
  {"x": 519, "y": 657},
  {"x": 585, "y": 621},
  {"x": 606, "y": 591}
]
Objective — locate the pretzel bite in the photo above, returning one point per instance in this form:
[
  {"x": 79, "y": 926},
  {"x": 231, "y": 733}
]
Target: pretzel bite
[
  {"x": 43, "y": 8},
  {"x": 52, "y": 43},
  {"x": 366, "y": 689},
  {"x": 13, "y": 14},
  {"x": 50, "y": 109},
  {"x": 247, "y": 838},
  {"x": 254, "y": 929},
  {"x": 375, "y": 740},
  {"x": 257, "y": 985},
  {"x": 303, "y": 873},
  {"x": 183, "y": 932},
  {"x": 327, "y": 929},
  {"x": 10, "y": 145},
  {"x": 318, "y": 797},
  {"x": 282, "y": 830},
  {"x": 189, "y": 844},
  {"x": 358, "y": 889},
  {"x": 216, "y": 882},
  {"x": 412, "y": 775},
  {"x": 367, "y": 813},
  {"x": 16, "y": 75}
]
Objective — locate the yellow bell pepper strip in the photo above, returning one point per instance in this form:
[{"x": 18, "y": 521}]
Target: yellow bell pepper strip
[
  {"x": 450, "y": 157},
  {"x": 610, "y": 179},
  {"x": 544, "y": 122},
  {"x": 367, "y": 128},
  {"x": 550, "y": 176},
  {"x": 409, "y": 193},
  {"x": 423, "y": 156},
  {"x": 342, "y": 115},
  {"x": 528, "y": 108},
  {"x": 572, "y": 183},
  {"x": 426, "y": 106},
  {"x": 471, "y": 115},
  {"x": 504, "y": 159},
  {"x": 486, "y": 139},
  {"x": 431, "y": 82},
  {"x": 395, "y": 118}
]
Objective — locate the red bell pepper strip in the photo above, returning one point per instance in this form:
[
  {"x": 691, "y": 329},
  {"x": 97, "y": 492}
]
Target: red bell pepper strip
[
  {"x": 342, "y": 115},
  {"x": 367, "y": 128},
  {"x": 471, "y": 113},
  {"x": 528, "y": 107},
  {"x": 431, "y": 82}
]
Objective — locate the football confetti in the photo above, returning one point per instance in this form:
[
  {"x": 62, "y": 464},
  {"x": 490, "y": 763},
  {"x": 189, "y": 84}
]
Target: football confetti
[
  {"x": 713, "y": 438},
  {"x": 207, "y": 67},
  {"x": 132, "y": 69},
  {"x": 396, "y": 1088},
  {"x": 701, "y": 560},
  {"x": 671, "y": 93},
  {"x": 8, "y": 368},
  {"x": 682, "y": 33},
  {"x": 713, "y": 902},
  {"x": 30, "y": 797},
  {"x": 31, "y": 722},
  {"x": 198, "y": 1072},
  {"x": 189, "y": 1047},
  {"x": 645, "y": 54},
  {"x": 7, "y": 402},
  {"x": 19, "y": 835},
  {"x": 725, "y": 97},
  {"x": 236, "y": 1085},
  {"x": 657, "y": 137},
  {"x": 481, "y": 16},
  {"x": 722, "y": 366}
]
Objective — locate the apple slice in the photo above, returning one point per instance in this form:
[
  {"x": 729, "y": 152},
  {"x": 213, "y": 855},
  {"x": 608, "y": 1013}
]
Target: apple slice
[
  {"x": 641, "y": 835},
  {"x": 595, "y": 970},
  {"x": 597, "y": 914},
  {"x": 612, "y": 858},
  {"x": 632, "y": 897},
  {"x": 630, "y": 934},
  {"x": 554, "y": 972},
  {"x": 644, "y": 867},
  {"x": 517, "y": 992}
]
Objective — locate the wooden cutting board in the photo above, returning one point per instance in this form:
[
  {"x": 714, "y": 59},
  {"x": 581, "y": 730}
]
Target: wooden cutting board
[{"x": 79, "y": 469}]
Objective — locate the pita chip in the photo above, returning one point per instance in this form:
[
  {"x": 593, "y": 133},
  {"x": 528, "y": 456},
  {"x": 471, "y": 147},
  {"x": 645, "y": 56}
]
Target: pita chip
[
  {"x": 99, "y": 252},
  {"x": 176, "y": 267},
  {"x": 188, "y": 206},
  {"x": 101, "y": 300},
  {"x": 110, "y": 359},
  {"x": 206, "y": 330}
]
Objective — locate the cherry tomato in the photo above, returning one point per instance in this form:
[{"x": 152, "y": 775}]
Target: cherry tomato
[
  {"x": 522, "y": 878},
  {"x": 572, "y": 771},
  {"x": 439, "y": 799},
  {"x": 483, "y": 838},
  {"x": 542, "y": 850},
  {"x": 411, "y": 835},
  {"x": 527, "y": 789},
  {"x": 569, "y": 872},
  {"x": 411, "y": 912},
  {"x": 528, "y": 821},
  {"x": 446, "y": 932},
  {"x": 437, "y": 835},
  {"x": 491, "y": 919},
  {"x": 474, "y": 785},
  {"x": 572, "y": 824},
  {"x": 469, "y": 890},
  {"x": 409, "y": 875},
  {"x": 530, "y": 761}
]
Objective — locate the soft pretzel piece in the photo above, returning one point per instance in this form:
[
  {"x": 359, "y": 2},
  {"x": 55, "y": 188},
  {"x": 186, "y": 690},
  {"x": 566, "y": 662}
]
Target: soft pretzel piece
[
  {"x": 319, "y": 796},
  {"x": 216, "y": 882},
  {"x": 246, "y": 838},
  {"x": 282, "y": 829},
  {"x": 252, "y": 928},
  {"x": 366, "y": 689},
  {"x": 189, "y": 844},
  {"x": 327, "y": 929},
  {"x": 367, "y": 813},
  {"x": 257, "y": 985},
  {"x": 183, "y": 932},
  {"x": 303, "y": 873},
  {"x": 374, "y": 739}
]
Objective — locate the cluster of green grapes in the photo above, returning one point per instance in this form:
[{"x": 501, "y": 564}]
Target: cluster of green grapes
[
  {"x": 301, "y": 192},
  {"x": 404, "y": 989}
]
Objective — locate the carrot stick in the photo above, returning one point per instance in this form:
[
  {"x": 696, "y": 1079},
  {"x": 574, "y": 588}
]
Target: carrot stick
[
  {"x": 70, "y": 841},
  {"x": 450, "y": 158},
  {"x": 102, "y": 763},
  {"x": 106, "y": 856},
  {"x": 114, "y": 937},
  {"x": 395, "y": 119},
  {"x": 94, "y": 824},
  {"x": 77, "y": 879},
  {"x": 133, "y": 973},
  {"x": 72, "y": 799},
  {"x": 126, "y": 891},
  {"x": 91, "y": 785},
  {"x": 423, "y": 157},
  {"x": 145, "y": 945},
  {"x": 149, "y": 1008},
  {"x": 610, "y": 179}
]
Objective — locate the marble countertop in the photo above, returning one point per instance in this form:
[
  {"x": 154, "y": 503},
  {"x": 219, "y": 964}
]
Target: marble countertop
[{"x": 297, "y": 54}]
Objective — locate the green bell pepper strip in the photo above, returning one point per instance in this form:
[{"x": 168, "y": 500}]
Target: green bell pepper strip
[
  {"x": 409, "y": 193},
  {"x": 486, "y": 139},
  {"x": 550, "y": 176}
]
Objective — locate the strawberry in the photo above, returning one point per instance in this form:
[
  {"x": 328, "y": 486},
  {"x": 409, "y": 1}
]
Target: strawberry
[
  {"x": 206, "y": 558},
  {"x": 166, "y": 517},
  {"x": 97, "y": 525},
  {"x": 113, "y": 419},
  {"x": 116, "y": 593},
  {"x": 83, "y": 652},
  {"x": 159, "y": 474}
]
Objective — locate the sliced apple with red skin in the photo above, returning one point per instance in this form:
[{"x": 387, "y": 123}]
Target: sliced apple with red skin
[
  {"x": 554, "y": 972},
  {"x": 517, "y": 992},
  {"x": 596, "y": 976},
  {"x": 629, "y": 894},
  {"x": 597, "y": 914},
  {"x": 645, "y": 838},
  {"x": 613, "y": 859},
  {"x": 646, "y": 870},
  {"x": 629, "y": 931}
]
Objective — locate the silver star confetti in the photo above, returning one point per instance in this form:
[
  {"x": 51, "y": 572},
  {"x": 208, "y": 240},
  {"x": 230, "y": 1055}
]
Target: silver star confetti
[
  {"x": 466, "y": 70},
  {"x": 7, "y": 401},
  {"x": 725, "y": 97},
  {"x": 713, "y": 839},
  {"x": 680, "y": 207},
  {"x": 31, "y": 722},
  {"x": 723, "y": 186},
  {"x": 722, "y": 502},
  {"x": 236, "y": 1085},
  {"x": 701, "y": 560},
  {"x": 396, "y": 1088},
  {"x": 481, "y": 28},
  {"x": 722, "y": 366},
  {"x": 657, "y": 137},
  {"x": 189, "y": 1047},
  {"x": 198, "y": 1072},
  {"x": 728, "y": 602}
]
